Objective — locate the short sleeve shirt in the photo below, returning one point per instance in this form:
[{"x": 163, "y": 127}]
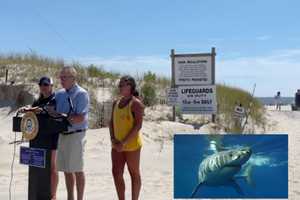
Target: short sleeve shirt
[{"x": 74, "y": 101}]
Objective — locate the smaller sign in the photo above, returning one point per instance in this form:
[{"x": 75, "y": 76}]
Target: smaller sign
[
  {"x": 172, "y": 94},
  {"x": 239, "y": 112},
  {"x": 197, "y": 99},
  {"x": 33, "y": 157}
]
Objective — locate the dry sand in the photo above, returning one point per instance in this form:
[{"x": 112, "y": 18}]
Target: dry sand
[{"x": 156, "y": 162}]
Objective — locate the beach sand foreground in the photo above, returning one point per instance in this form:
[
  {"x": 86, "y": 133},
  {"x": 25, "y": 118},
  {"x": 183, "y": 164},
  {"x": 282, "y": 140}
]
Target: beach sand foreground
[{"x": 156, "y": 160}]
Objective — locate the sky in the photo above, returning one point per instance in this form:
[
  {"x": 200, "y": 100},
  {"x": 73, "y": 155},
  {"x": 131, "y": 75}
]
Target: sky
[{"x": 257, "y": 41}]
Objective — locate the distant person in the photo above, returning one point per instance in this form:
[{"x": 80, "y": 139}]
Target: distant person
[
  {"x": 278, "y": 101},
  {"x": 72, "y": 100},
  {"x": 125, "y": 125}
]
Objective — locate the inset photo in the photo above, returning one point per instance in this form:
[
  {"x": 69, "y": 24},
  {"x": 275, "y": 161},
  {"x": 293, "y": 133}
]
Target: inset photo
[{"x": 230, "y": 166}]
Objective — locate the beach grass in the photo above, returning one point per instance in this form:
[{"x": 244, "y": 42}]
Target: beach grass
[{"x": 227, "y": 98}]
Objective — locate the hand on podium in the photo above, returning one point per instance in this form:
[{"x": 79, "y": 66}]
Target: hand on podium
[{"x": 36, "y": 110}]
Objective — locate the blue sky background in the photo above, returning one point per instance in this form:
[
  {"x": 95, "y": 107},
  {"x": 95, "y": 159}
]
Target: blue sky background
[{"x": 257, "y": 41}]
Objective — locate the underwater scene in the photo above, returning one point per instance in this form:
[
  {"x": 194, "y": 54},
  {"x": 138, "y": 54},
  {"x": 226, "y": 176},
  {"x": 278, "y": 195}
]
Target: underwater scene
[{"x": 231, "y": 166}]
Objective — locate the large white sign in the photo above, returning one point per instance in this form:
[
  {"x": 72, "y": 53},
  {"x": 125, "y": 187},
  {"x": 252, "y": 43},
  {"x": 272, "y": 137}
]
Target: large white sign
[
  {"x": 197, "y": 99},
  {"x": 193, "y": 70}
]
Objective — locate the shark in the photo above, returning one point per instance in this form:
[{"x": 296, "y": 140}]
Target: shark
[{"x": 222, "y": 169}]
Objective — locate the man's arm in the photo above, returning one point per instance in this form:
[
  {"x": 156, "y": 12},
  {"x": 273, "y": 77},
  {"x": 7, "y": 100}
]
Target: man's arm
[
  {"x": 82, "y": 108},
  {"x": 76, "y": 118}
]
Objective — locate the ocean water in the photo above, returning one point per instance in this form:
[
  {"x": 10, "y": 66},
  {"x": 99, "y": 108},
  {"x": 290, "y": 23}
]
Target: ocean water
[
  {"x": 269, "y": 163},
  {"x": 271, "y": 100}
]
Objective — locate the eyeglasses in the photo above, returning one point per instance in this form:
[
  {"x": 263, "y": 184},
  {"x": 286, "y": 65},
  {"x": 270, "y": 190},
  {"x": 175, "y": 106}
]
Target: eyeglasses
[{"x": 65, "y": 77}]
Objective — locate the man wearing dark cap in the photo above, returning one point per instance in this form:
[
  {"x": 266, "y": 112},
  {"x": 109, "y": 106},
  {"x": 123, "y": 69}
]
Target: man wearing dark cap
[
  {"x": 46, "y": 98},
  {"x": 45, "y": 80},
  {"x": 45, "y": 104}
]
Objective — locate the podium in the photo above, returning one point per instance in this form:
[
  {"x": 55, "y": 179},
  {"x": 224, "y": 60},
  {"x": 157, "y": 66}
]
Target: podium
[{"x": 38, "y": 155}]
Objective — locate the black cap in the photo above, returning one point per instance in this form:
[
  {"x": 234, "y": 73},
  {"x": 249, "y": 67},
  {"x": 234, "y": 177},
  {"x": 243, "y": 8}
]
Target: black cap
[{"x": 45, "y": 80}]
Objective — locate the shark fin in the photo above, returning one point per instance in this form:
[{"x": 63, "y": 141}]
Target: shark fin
[
  {"x": 237, "y": 188},
  {"x": 196, "y": 190},
  {"x": 248, "y": 172},
  {"x": 247, "y": 175}
]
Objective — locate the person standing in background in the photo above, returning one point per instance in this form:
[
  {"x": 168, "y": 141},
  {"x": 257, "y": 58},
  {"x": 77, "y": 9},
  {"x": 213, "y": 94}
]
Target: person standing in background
[{"x": 278, "y": 101}]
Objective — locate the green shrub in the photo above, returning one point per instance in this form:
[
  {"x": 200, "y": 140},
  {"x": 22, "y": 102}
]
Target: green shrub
[
  {"x": 149, "y": 94},
  {"x": 149, "y": 77}
]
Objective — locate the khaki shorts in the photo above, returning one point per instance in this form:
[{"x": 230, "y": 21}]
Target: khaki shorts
[{"x": 70, "y": 152}]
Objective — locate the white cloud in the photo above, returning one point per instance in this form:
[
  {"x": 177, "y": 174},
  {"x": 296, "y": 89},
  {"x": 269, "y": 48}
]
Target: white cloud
[
  {"x": 132, "y": 65},
  {"x": 277, "y": 71}
]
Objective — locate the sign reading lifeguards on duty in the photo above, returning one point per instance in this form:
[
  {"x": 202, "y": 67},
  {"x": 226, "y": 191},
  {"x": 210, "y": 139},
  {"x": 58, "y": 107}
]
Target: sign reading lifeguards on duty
[{"x": 197, "y": 99}]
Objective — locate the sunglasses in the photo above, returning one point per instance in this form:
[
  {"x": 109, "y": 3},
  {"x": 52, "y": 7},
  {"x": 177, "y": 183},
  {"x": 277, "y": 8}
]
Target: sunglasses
[
  {"x": 44, "y": 84},
  {"x": 123, "y": 85}
]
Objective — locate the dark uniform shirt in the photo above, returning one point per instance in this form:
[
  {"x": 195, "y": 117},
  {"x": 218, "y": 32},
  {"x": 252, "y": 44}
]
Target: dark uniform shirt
[{"x": 45, "y": 140}]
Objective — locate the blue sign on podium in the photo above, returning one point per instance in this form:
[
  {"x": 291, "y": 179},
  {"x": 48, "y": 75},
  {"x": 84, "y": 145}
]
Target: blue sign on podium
[{"x": 33, "y": 156}]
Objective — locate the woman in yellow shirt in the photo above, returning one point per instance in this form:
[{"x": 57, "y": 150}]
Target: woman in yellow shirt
[{"x": 126, "y": 122}]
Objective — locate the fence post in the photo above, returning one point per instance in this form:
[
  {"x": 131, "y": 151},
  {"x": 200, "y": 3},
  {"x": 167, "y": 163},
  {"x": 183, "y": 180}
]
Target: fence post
[{"x": 6, "y": 75}]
